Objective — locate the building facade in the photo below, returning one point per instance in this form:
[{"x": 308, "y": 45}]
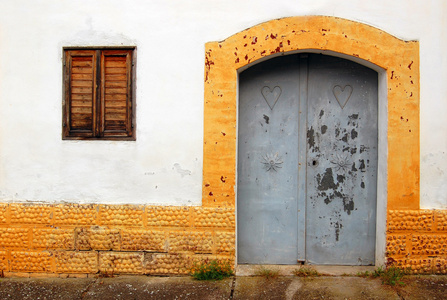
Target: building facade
[{"x": 121, "y": 134}]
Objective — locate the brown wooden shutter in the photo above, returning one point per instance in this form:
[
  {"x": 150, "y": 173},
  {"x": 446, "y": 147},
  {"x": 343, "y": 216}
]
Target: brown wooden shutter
[
  {"x": 116, "y": 104},
  {"x": 80, "y": 93},
  {"x": 98, "y": 94}
]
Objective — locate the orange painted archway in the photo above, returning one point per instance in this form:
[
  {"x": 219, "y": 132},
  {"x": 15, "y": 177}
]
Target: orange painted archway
[{"x": 399, "y": 59}]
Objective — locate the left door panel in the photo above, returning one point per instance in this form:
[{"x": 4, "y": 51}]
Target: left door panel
[{"x": 268, "y": 162}]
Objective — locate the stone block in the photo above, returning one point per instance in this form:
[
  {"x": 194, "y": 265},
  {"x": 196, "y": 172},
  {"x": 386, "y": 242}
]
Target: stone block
[
  {"x": 166, "y": 264},
  {"x": 76, "y": 262},
  {"x": 204, "y": 258},
  {"x": 121, "y": 262},
  {"x": 28, "y": 261},
  {"x": 14, "y": 238},
  {"x": 75, "y": 214},
  {"x": 172, "y": 216},
  {"x": 441, "y": 266},
  {"x": 214, "y": 217},
  {"x": 121, "y": 215},
  {"x": 141, "y": 239},
  {"x": 190, "y": 241},
  {"x": 411, "y": 220},
  {"x": 396, "y": 244},
  {"x": 53, "y": 238},
  {"x": 415, "y": 266},
  {"x": 3, "y": 213},
  {"x": 30, "y": 213},
  {"x": 225, "y": 242},
  {"x": 441, "y": 220},
  {"x": 4, "y": 261},
  {"x": 97, "y": 238},
  {"x": 429, "y": 244}
]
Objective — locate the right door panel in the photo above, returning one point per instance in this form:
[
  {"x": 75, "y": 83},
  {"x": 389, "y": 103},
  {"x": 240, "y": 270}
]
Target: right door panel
[{"x": 341, "y": 162}]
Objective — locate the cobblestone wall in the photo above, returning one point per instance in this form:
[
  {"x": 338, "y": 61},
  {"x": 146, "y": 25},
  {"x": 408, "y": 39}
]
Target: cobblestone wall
[
  {"x": 417, "y": 240},
  {"x": 112, "y": 239},
  {"x": 75, "y": 240}
]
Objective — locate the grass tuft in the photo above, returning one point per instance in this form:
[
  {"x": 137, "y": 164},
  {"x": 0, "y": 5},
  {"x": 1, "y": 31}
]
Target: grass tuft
[
  {"x": 306, "y": 272},
  {"x": 266, "y": 272},
  {"x": 211, "y": 270},
  {"x": 364, "y": 274},
  {"x": 391, "y": 275}
]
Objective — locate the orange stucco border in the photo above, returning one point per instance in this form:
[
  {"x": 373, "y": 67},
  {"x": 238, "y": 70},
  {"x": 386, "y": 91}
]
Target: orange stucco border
[{"x": 400, "y": 60}]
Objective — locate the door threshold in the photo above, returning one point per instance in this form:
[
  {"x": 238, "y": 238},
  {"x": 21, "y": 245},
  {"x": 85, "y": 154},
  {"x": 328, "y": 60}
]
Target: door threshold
[{"x": 287, "y": 270}]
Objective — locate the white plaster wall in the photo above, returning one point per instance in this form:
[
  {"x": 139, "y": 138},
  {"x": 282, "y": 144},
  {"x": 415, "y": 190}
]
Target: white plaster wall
[{"x": 164, "y": 164}]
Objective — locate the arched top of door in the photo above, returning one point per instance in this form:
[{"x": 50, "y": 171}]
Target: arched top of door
[{"x": 367, "y": 45}]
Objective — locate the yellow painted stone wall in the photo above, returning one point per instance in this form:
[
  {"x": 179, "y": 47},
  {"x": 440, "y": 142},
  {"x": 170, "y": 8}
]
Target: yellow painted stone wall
[
  {"x": 417, "y": 240},
  {"x": 75, "y": 240}
]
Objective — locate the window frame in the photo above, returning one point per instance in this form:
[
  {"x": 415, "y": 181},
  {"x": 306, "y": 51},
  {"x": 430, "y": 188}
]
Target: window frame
[{"x": 98, "y": 111}]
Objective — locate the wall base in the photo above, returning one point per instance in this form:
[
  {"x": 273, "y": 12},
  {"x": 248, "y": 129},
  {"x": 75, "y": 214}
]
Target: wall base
[{"x": 112, "y": 239}]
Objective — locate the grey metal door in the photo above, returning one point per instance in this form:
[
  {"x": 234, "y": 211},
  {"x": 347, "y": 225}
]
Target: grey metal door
[
  {"x": 307, "y": 162},
  {"x": 342, "y": 162},
  {"x": 267, "y": 160}
]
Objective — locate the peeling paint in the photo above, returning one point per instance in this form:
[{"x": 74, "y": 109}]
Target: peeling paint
[
  {"x": 362, "y": 166},
  {"x": 341, "y": 178},
  {"x": 348, "y": 205},
  {"x": 327, "y": 180},
  {"x": 321, "y": 113},
  {"x": 181, "y": 171},
  {"x": 266, "y": 118},
  {"x": 311, "y": 138}
]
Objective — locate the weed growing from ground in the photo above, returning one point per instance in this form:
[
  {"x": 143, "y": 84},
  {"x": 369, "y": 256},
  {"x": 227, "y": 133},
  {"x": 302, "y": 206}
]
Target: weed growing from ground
[
  {"x": 211, "y": 270},
  {"x": 266, "y": 272},
  {"x": 391, "y": 275},
  {"x": 305, "y": 272},
  {"x": 364, "y": 274},
  {"x": 378, "y": 272}
]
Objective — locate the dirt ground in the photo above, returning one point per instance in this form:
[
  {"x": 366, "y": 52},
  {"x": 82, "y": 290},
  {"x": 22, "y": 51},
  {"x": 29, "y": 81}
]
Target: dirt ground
[{"x": 240, "y": 287}]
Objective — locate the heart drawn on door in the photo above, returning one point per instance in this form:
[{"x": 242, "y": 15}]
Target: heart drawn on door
[
  {"x": 342, "y": 94},
  {"x": 271, "y": 96}
]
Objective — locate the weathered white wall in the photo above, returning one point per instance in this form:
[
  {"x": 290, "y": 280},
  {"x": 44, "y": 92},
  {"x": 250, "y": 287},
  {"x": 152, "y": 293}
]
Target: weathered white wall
[{"x": 164, "y": 164}]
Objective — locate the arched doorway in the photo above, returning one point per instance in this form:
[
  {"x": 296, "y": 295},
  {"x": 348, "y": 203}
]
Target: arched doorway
[
  {"x": 397, "y": 64},
  {"x": 307, "y": 161}
]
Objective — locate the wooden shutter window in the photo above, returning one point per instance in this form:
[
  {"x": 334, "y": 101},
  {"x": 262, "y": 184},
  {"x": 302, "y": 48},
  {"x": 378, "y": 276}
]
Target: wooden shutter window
[{"x": 98, "y": 94}]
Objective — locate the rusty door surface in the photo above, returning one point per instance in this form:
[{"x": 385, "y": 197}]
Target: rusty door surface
[
  {"x": 341, "y": 162},
  {"x": 307, "y": 162}
]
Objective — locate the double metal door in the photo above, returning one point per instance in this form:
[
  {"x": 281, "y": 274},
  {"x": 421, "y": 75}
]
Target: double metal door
[{"x": 307, "y": 162}]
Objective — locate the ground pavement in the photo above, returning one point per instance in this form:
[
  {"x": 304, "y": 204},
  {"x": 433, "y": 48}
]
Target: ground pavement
[{"x": 239, "y": 287}]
